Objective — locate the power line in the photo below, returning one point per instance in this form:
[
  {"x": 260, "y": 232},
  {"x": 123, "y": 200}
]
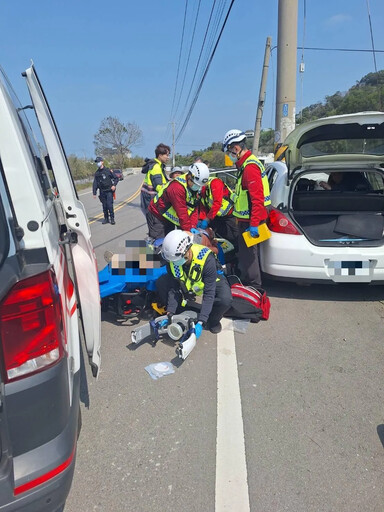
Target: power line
[
  {"x": 204, "y": 76},
  {"x": 370, "y": 29},
  {"x": 178, "y": 64},
  {"x": 198, "y": 61},
  {"x": 336, "y": 49},
  {"x": 189, "y": 54}
]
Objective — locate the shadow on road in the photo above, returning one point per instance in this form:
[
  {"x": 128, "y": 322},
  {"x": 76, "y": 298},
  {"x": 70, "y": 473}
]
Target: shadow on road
[
  {"x": 380, "y": 433},
  {"x": 336, "y": 292}
]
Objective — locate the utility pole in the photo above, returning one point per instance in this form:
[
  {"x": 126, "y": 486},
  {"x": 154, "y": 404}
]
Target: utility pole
[
  {"x": 260, "y": 106},
  {"x": 286, "y": 70},
  {"x": 173, "y": 143}
]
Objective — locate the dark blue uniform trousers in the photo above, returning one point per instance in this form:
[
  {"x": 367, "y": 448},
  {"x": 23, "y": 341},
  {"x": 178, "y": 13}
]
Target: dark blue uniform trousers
[{"x": 106, "y": 199}]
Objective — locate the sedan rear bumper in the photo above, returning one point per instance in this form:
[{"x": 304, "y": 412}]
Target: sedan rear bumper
[{"x": 294, "y": 257}]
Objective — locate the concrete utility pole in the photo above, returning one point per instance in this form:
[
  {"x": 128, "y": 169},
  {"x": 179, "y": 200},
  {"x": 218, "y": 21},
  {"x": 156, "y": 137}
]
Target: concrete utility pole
[
  {"x": 260, "y": 106},
  {"x": 286, "y": 70}
]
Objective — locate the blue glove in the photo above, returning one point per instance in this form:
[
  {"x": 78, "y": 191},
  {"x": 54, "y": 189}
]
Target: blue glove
[
  {"x": 198, "y": 330},
  {"x": 253, "y": 230},
  {"x": 195, "y": 231},
  {"x": 203, "y": 224},
  {"x": 164, "y": 323}
]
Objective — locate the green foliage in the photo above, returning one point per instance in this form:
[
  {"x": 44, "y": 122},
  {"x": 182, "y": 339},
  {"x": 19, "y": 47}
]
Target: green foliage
[
  {"x": 366, "y": 95},
  {"x": 81, "y": 168},
  {"x": 136, "y": 161}
]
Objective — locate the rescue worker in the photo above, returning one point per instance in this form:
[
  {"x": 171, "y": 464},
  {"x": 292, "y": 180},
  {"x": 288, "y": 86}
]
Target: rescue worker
[
  {"x": 193, "y": 270},
  {"x": 176, "y": 205},
  {"x": 106, "y": 182},
  {"x": 216, "y": 210},
  {"x": 155, "y": 176},
  {"x": 250, "y": 199},
  {"x": 175, "y": 172}
]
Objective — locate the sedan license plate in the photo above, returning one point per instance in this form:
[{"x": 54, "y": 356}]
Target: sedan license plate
[{"x": 349, "y": 270}]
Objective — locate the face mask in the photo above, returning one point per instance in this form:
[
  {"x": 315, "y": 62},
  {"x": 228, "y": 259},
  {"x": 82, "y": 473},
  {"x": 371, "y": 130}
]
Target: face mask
[
  {"x": 99, "y": 164},
  {"x": 195, "y": 187},
  {"x": 232, "y": 157},
  {"x": 180, "y": 262}
]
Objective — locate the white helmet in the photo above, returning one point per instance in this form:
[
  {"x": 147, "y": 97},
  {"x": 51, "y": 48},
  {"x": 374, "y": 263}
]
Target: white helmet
[
  {"x": 200, "y": 173},
  {"x": 175, "y": 245},
  {"x": 231, "y": 137}
]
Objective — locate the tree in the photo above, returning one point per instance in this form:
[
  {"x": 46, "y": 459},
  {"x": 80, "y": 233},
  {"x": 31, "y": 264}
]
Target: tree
[{"x": 115, "y": 140}]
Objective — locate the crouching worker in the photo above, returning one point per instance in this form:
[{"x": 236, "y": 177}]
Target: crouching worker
[{"x": 193, "y": 270}]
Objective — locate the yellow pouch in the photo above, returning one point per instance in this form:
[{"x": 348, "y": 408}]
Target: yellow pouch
[{"x": 264, "y": 234}]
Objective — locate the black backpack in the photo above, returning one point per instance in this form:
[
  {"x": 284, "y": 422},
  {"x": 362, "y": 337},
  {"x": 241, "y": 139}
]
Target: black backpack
[{"x": 149, "y": 163}]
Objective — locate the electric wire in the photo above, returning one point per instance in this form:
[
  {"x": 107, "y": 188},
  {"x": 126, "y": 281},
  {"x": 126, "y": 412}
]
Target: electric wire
[
  {"x": 208, "y": 49},
  {"x": 371, "y": 32},
  {"x": 189, "y": 54},
  {"x": 198, "y": 61},
  {"x": 180, "y": 52},
  {"x": 180, "y": 133}
]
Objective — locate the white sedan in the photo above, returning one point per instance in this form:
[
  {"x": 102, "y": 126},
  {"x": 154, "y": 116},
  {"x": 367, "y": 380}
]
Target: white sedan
[{"x": 327, "y": 215}]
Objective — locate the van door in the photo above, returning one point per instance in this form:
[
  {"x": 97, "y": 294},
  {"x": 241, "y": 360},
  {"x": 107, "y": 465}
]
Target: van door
[{"x": 78, "y": 235}]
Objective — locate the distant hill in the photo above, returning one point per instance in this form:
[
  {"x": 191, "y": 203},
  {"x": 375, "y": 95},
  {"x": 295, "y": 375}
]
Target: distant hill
[{"x": 367, "y": 94}]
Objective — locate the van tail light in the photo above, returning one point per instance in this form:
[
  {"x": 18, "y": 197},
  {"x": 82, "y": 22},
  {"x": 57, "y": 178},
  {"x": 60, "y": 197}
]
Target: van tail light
[
  {"x": 31, "y": 326},
  {"x": 279, "y": 223}
]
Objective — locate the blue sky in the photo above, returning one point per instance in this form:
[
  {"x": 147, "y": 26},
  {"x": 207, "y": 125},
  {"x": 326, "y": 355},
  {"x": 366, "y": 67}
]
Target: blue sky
[{"x": 119, "y": 58}]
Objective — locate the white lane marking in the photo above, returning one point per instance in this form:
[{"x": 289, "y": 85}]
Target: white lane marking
[
  {"x": 85, "y": 193},
  {"x": 231, "y": 469}
]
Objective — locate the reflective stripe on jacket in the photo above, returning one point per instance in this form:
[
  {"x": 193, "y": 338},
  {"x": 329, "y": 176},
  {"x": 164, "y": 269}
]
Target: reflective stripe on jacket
[
  {"x": 192, "y": 280},
  {"x": 226, "y": 204},
  {"x": 191, "y": 200},
  {"x": 155, "y": 174},
  {"x": 240, "y": 196}
]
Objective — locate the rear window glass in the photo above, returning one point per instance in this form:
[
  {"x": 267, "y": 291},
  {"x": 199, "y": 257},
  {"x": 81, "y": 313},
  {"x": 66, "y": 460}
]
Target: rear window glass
[
  {"x": 35, "y": 139},
  {"x": 342, "y": 181},
  {"x": 343, "y": 146}
]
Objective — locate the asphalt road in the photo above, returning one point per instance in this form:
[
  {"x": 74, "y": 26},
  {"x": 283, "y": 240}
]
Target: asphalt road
[{"x": 286, "y": 417}]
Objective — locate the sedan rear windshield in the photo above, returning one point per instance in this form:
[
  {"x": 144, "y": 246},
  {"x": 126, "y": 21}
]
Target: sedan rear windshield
[{"x": 343, "y": 146}]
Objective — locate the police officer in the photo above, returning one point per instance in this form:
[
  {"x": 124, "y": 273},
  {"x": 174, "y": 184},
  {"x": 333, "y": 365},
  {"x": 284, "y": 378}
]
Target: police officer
[
  {"x": 106, "y": 182},
  {"x": 250, "y": 199},
  {"x": 193, "y": 270}
]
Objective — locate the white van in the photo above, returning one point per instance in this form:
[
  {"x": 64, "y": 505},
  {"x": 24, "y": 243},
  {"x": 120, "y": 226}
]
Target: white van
[{"x": 49, "y": 300}]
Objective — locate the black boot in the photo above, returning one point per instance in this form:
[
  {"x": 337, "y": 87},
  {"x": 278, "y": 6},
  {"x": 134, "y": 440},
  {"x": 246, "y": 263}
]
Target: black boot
[
  {"x": 105, "y": 220},
  {"x": 113, "y": 221}
]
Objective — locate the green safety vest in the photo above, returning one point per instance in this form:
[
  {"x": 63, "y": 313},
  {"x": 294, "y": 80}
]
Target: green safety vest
[
  {"x": 156, "y": 170},
  {"x": 240, "y": 197},
  {"x": 191, "y": 200},
  {"x": 227, "y": 203},
  {"x": 193, "y": 280}
]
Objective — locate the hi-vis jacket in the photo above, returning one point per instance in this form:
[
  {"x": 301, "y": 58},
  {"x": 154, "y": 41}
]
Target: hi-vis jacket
[
  {"x": 216, "y": 198},
  {"x": 192, "y": 280},
  {"x": 154, "y": 181},
  {"x": 177, "y": 203},
  {"x": 252, "y": 190},
  {"x": 199, "y": 278}
]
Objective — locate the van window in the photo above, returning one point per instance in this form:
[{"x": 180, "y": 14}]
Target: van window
[{"x": 36, "y": 145}]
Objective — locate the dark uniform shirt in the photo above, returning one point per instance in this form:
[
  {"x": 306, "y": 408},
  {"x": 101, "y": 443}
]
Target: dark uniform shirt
[{"x": 103, "y": 180}]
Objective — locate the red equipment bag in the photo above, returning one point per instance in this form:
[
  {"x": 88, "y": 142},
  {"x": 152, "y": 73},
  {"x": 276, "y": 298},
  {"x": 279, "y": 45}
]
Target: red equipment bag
[{"x": 249, "y": 303}]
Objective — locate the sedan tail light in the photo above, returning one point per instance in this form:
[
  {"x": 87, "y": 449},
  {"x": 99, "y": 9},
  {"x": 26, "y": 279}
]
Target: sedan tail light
[
  {"x": 31, "y": 327},
  {"x": 279, "y": 223}
]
